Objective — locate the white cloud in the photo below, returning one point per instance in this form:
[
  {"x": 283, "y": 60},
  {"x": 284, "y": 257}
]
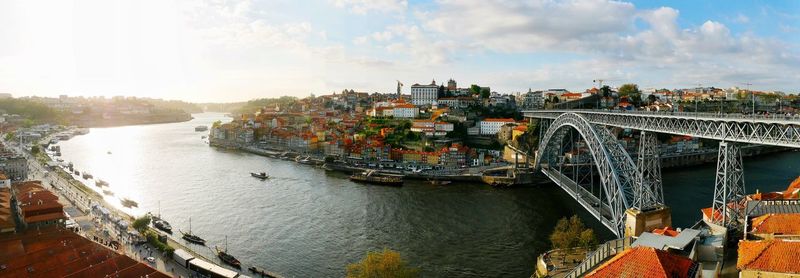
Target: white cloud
[
  {"x": 365, "y": 6},
  {"x": 742, "y": 19},
  {"x": 529, "y": 25}
]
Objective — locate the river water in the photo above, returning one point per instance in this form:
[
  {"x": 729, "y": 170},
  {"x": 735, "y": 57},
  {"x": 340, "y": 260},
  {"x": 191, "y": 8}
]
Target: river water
[{"x": 306, "y": 222}]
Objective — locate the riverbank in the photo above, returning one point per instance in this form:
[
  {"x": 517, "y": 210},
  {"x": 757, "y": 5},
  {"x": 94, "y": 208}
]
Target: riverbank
[
  {"x": 448, "y": 175},
  {"x": 117, "y": 122},
  {"x": 86, "y": 198}
]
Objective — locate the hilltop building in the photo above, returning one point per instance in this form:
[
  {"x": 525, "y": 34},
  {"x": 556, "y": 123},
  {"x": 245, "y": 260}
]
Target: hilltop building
[{"x": 424, "y": 94}]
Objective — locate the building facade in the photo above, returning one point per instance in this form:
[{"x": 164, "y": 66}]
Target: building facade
[
  {"x": 490, "y": 126},
  {"x": 424, "y": 94}
]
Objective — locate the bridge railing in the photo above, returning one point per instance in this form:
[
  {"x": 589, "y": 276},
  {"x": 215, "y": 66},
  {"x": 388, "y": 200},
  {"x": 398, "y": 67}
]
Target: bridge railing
[
  {"x": 706, "y": 115},
  {"x": 603, "y": 252}
]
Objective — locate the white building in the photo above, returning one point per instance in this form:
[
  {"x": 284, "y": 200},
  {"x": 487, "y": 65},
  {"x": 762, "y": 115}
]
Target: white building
[
  {"x": 405, "y": 110},
  {"x": 490, "y": 126},
  {"x": 424, "y": 94},
  {"x": 431, "y": 128}
]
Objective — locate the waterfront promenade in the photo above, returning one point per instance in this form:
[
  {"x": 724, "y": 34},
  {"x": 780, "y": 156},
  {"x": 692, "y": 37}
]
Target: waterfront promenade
[{"x": 78, "y": 204}]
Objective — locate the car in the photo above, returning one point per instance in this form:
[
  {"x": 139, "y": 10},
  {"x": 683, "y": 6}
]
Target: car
[{"x": 151, "y": 259}]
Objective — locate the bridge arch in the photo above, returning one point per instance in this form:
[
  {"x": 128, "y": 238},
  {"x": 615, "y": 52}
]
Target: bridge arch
[{"x": 613, "y": 164}]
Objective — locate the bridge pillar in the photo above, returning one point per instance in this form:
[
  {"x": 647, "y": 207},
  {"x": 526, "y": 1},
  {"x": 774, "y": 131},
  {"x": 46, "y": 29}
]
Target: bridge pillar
[
  {"x": 728, "y": 207},
  {"x": 650, "y": 193}
]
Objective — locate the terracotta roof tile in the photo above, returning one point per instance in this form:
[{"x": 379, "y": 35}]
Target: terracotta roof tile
[
  {"x": 787, "y": 224},
  {"x": 645, "y": 262},
  {"x": 769, "y": 255}
]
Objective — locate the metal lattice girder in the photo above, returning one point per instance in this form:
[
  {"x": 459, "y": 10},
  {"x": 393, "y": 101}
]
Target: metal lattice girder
[
  {"x": 648, "y": 165},
  {"x": 728, "y": 207},
  {"x": 776, "y": 130},
  {"x": 615, "y": 167}
]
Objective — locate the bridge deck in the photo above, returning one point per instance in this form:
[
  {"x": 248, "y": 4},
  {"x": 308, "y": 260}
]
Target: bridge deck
[{"x": 775, "y": 130}]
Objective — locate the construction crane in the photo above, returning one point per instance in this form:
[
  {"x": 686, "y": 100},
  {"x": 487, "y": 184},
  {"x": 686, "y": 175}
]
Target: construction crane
[
  {"x": 600, "y": 81},
  {"x": 399, "y": 88}
]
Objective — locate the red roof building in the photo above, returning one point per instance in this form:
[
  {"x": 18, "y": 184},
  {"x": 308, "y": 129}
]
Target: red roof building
[
  {"x": 37, "y": 206},
  {"x": 768, "y": 257},
  {"x": 55, "y": 252},
  {"x": 646, "y": 262},
  {"x": 776, "y": 225}
]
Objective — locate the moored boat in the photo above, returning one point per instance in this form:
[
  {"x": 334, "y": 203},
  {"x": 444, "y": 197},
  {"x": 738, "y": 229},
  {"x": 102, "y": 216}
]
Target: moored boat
[
  {"x": 200, "y": 128},
  {"x": 190, "y": 237},
  {"x": 228, "y": 258},
  {"x": 373, "y": 177},
  {"x": 128, "y": 203},
  {"x": 439, "y": 182},
  {"x": 261, "y": 175},
  {"x": 100, "y": 183},
  {"x": 160, "y": 223}
]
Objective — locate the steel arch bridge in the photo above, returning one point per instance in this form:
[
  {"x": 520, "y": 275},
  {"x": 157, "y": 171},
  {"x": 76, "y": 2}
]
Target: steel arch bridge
[
  {"x": 775, "y": 130},
  {"x": 621, "y": 185},
  {"x": 641, "y": 187}
]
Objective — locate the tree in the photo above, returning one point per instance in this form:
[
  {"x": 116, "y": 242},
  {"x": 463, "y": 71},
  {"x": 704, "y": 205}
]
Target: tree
[
  {"x": 629, "y": 90},
  {"x": 587, "y": 238},
  {"x": 140, "y": 224},
  {"x": 35, "y": 149},
  {"x": 570, "y": 233},
  {"x": 605, "y": 91},
  {"x": 485, "y": 93},
  {"x": 386, "y": 263},
  {"x": 475, "y": 89},
  {"x": 652, "y": 98}
]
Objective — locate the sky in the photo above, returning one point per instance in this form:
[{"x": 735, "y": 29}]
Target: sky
[{"x": 222, "y": 51}]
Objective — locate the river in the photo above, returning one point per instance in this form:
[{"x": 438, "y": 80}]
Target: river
[{"x": 306, "y": 222}]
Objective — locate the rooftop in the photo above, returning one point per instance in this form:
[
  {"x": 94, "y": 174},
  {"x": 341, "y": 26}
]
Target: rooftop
[
  {"x": 786, "y": 224},
  {"x": 769, "y": 255},
  {"x": 53, "y": 252},
  {"x": 646, "y": 262}
]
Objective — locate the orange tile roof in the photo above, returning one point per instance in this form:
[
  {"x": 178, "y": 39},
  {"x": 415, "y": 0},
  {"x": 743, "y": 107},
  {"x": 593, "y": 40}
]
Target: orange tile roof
[
  {"x": 54, "y": 252},
  {"x": 645, "y": 262},
  {"x": 793, "y": 190},
  {"x": 769, "y": 255},
  {"x": 707, "y": 214},
  {"x": 786, "y": 224},
  {"x": 666, "y": 231}
]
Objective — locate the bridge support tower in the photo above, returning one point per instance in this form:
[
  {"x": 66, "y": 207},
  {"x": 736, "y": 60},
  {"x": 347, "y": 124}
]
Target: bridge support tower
[
  {"x": 728, "y": 207},
  {"x": 648, "y": 211}
]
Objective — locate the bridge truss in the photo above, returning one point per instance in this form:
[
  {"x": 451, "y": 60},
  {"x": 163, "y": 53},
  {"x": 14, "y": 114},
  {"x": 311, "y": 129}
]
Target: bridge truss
[
  {"x": 729, "y": 189},
  {"x": 775, "y": 130},
  {"x": 573, "y": 151}
]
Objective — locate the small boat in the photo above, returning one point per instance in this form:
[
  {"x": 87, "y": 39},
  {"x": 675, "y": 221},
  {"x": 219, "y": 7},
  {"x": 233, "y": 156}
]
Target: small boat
[
  {"x": 200, "y": 128},
  {"x": 260, "y": 271},
  {"x": 192, "y": 237},
  {"x": 203, "y": 137},
  {"x": 372, "y": 177},
  {"x": 100, "y": 183},
  {"x": 439, "y": 182},
  {"x": 228, "y": 258},
  {"x": 307, "y": 160},
  {"x": 108, "y": 152},
  {"x": 108, "y": 192},
  {"x": 128, "y": 203},
  {"x": 87, "y": 176},
  {"x": 160, "y": 223},
  {"x": 77, "y": 173},
  {"x": 261, "y": 175}
]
